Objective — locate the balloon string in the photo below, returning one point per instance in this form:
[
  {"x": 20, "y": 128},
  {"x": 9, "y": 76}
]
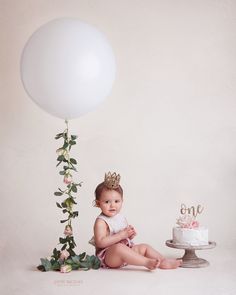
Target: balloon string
[{"x": 67, "y": 129}]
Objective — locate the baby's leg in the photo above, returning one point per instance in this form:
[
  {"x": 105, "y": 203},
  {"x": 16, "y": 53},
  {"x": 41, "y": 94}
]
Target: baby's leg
[
  {"x": 164, "y": 263},
  {"x": 118, "y": 254},
  {"x": 147, "y": 251}
]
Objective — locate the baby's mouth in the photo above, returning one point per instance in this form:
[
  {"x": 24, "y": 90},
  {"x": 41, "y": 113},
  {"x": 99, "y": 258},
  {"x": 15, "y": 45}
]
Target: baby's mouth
[{"x": 112, "y": 210}]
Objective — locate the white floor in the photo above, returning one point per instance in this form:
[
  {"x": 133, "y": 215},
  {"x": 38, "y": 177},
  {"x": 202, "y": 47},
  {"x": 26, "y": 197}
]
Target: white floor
[{"x": 217, "y": 279}]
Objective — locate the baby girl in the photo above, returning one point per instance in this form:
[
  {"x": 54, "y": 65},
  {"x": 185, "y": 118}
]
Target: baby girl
[{"x": 113, "y": 235}]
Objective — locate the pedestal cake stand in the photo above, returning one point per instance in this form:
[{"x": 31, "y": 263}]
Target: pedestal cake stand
[{"x": 190, "y": 258}]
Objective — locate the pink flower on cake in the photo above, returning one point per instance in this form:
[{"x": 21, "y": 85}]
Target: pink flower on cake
[
  {"x": 187, "y": 221},
  {"x": 194, "y": 224},
  {"x": 64, "y": 254}
]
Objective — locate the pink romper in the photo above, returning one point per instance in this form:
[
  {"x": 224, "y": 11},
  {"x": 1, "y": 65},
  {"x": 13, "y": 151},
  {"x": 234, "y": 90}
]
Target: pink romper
[{"x": 115, "y": 224}]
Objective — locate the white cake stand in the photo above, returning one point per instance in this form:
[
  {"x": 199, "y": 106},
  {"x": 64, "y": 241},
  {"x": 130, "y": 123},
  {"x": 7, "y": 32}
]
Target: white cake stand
[{"x": 190, "y": 258}]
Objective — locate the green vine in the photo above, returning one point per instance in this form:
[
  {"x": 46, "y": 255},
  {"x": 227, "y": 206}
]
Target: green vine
[
  {"x": 66, "y": 259},
  {"x": 68, "y": 168}
]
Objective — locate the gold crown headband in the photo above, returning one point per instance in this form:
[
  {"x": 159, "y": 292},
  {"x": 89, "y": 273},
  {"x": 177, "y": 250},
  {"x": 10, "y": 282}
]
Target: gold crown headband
[{"x": 112, "y": 181}]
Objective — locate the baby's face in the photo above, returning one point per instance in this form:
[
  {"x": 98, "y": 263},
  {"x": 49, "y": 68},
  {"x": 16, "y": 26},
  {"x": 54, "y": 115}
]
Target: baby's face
[{"x": 110, "y": 202}]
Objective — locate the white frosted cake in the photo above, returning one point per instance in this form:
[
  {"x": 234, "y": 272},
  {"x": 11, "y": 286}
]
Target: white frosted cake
[
  {"x": 188, "y": 232},
  {"x": 190, "y": 236}
]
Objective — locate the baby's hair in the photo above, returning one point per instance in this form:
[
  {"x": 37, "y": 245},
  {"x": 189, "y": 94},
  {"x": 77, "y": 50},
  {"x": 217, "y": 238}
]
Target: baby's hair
[{"x": 101, "y": 187}]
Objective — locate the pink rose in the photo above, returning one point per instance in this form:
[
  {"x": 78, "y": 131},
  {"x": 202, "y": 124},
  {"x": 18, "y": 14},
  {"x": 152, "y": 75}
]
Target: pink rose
[
  {"x": 187, "y": 221},
  {"x": 65, "y": 268},
  {"x": 64, "y": 254},
  {"x": 68, "y": 231},
  {"x": 67, "y": 179},
  {"x": 194, "y": 224}
]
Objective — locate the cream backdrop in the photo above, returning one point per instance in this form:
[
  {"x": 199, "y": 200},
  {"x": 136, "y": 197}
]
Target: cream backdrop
[{"x": 168, "y": 126}]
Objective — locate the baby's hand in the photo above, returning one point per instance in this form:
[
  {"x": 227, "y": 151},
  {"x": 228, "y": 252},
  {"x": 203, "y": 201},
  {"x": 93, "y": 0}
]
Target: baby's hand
[
  {"x": 127, "y": 232},
  {"x": 134, "y": 234}
]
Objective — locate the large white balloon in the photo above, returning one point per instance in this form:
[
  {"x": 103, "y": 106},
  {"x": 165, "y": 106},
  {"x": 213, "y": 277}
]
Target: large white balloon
[{"x": 67, "y": 67}]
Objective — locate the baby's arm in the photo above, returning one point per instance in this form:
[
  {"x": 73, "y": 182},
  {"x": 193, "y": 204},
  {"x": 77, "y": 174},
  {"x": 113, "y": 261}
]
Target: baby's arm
[{"x": 102, "y": 237}]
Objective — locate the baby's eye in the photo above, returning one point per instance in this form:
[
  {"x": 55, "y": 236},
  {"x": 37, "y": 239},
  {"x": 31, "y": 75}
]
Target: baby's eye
[
  {"x": 106, "y": 202},
  {"x": 117, "y": 201}
]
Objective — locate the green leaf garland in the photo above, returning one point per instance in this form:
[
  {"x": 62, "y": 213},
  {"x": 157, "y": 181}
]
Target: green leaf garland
[{"x": 66, "y": 254}]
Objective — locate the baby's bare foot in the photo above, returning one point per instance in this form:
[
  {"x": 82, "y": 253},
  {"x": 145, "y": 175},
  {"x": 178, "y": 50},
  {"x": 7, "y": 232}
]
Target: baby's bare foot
[
  {"x": 170, "y": 263},
  {"x": 152, "y": 263}
]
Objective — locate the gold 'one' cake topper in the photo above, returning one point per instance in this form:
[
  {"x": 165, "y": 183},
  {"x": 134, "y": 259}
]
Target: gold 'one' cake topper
[
  {"x": 112, "y": 181},
  {"x": 194, "y": 211}
]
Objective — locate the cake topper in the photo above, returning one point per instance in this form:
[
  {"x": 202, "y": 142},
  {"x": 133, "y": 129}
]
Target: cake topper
[
  {"x": 194, "y": 211},
  {"x": 112, "y": 181},
  {"x": 188, "y": 217}
]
